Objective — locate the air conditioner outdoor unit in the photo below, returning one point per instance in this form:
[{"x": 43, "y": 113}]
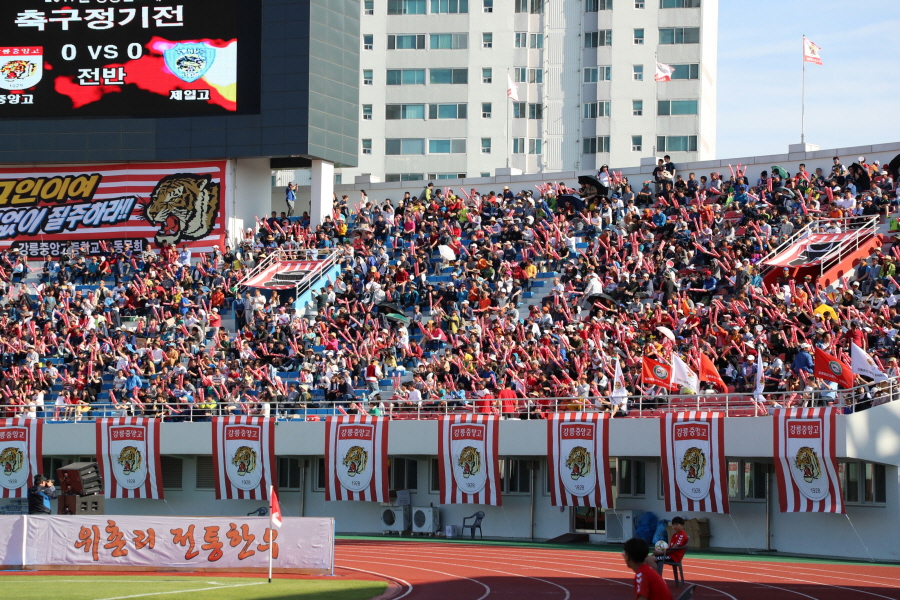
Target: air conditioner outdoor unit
[
  {"x": 395, "y": 518},
  {"x": 620, "y": 524},
  {"x": 426, "y": 519}
]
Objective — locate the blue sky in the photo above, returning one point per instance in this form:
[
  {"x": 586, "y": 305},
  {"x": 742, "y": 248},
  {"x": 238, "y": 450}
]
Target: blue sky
[{"x": 851, "y": 100}]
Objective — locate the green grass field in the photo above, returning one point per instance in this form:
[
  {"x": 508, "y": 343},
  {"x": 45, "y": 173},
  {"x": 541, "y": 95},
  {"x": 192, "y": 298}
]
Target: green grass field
[{"x": 109, "y": 587}]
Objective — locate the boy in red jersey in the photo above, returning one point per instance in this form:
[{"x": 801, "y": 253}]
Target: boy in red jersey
[
  {"x": 676, "y": 549},
  {"x": 648, "y": 584}
]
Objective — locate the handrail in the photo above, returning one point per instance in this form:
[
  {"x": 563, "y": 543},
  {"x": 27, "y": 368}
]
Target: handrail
[
  {"x": 260, "y": 267},
  {"x": 864, "y": 229}
]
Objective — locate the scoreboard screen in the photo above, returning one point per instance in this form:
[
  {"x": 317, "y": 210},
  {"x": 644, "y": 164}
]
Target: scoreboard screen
[{"x": 100, "y": 58}]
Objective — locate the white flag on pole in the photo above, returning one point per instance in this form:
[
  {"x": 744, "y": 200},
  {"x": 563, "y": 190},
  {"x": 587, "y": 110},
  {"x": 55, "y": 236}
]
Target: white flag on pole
[
  {"x": 619, "y": 390},
  {"x": 760, "y": 382},
  {"x": 684, "y": 377},
  {"x": 862, "y": 364},
  {"x": 512, "y": 88},
  {"x": 811, "y": 52},
  {"x": 664, "y": 72}
]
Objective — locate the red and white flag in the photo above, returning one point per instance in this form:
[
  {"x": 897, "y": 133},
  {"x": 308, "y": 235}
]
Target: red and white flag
[
  {"x": 709, "y": 373},
  {"x": 128, "y": 453},
  {"x": 811, "y": 52},
  {"x": 512, "y": 88},
  {"x": 356, "y": 458},
  {"x": 663, "y": 72},
  {"x": 243, "y": 457},
  {"x": 658, "y": 373},
  {"x": 578, "y": 459},
  {"x": 693, "y": 461},
  {"x": 274, "y": 508},
  {"x": 20, "y": 455},
  {"x": 805, "y": 460},
  {"x": 468, "y": 460},
  {"x": 829, "y": 368}
]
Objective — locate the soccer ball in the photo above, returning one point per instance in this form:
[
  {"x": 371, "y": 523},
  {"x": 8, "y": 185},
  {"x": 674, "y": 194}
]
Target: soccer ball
[{"x": 660, "y": 547}]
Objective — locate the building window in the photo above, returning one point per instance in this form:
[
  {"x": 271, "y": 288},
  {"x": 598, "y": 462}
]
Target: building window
[
  {"x": 535, "y": 111},
  {"x": 367, "y": 77},
  {"x": 536, "y": 40},
  {"x": 446, "y": 176},
  {"x": 449, "y": 41},
  {"x": 691, "y": 71},
  {"x": 486, "y": 75},
  {"x": 449, "y": 6},
  {"x": 318, "y": 483},
  {"x": 451, "y": 146},
  {"x": 595, "y": 110},
  {"x": 205, "y": 477},
  {"x": 639, "y": 4},
  {"x": 597, "y": 5},
  {"x": 535, "y": 146},
  {"x": 487, "y": 40},
  {"x": 406, "y": 7},
  {"x": 406, "y": 77},
  {"x": 639, "y": 37},
  {"x": 594, "y": 145},
  {"x": 406, "y": 42},
  {"x": 679, "y": 35},
  {"x": 485, "y": 110},
  {"x": 366, "y": 146},
  {"x": 637, "y": 108},
  {"x": 447, "y": 111},
  {"x": 399, "y": 146},
  {"x": 747, "y": 480},
  {"x": 535, "y": 76},
  {"x": 679, "y": 3},
  {"x": 519, "y": 74},
  {"x": 637, "y": 143},
  {"x": 403, "y": 473},
  {"x": 394, "y": 177},
  {"x": 519, "y": 110},
  {"x": 676, "y": 143},
  {"x": 537, "y": 7},
  {"x": 288, "y": 473},
  {"x": 518, "y": 145},
  {"x": 863, "y": 482},
  {"x": 171, "y": 468},
  {"x": 638, "y": 73},
  {"x": 338, "y": 178},
  {"x": 673, "y": 108},
  {"x": 629, "y": 478},
  {"x": 521, "y": 6},
  {"x": 368, "y": 41},
  {"x": 488, "y": 6},
  {"x": 404, "y": 111},
  {"x": 515, "y": 476},
  {"x": 367, "y": 112},
  {"x": 448, "y": 76},
  {"x": 594, "y": 39},
  {"x": 595, "y": 74},
  {"x": 370, "y": 7},
  {"x": 485, "y": 145},
  {"x": 521, "y": 39}
]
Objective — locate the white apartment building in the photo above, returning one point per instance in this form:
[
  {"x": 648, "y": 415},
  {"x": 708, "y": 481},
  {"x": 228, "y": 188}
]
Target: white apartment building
[{"x": 433, "y": 96}]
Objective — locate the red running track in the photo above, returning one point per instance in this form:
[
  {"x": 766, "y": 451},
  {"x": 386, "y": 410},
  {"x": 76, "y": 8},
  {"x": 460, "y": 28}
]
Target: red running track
[{"x": 459, "y": 571}]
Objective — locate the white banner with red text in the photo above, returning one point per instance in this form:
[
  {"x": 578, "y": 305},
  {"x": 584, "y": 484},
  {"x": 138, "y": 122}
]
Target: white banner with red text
[
  {"x": 139, "y": 542},
  {"x": 20, "y": 455},
  {"x": 805, "y": 460},
  {"x": 693, "y": 462},
  {"x": 128, "y": 449},
  {"x": 356, "y": 460},
  {"x": 468, "y": 459},
  {"x": 243, "y": 457},
  {"x": 578, "y": 459}
]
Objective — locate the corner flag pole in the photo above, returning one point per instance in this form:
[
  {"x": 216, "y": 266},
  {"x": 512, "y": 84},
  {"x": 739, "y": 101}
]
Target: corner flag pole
[
  {"x": 803, "y": 91},
  {"x": 271, "y": 534}
]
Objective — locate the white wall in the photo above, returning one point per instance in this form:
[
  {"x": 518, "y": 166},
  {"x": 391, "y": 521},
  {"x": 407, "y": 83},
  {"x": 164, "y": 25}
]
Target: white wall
[{"x": 251, "y": 189}]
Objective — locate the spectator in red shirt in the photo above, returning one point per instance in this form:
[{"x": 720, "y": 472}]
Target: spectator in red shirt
[
  {"x": 648, "y": 584},
  {"x": 677, "y": 545}
]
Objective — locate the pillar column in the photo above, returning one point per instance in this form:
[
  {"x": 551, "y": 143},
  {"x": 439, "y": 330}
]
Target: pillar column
[{"x": 321, "y": 198}]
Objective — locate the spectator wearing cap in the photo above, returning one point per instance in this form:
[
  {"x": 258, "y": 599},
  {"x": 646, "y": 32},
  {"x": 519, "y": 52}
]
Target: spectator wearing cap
[{"x": 803, "y": 361}]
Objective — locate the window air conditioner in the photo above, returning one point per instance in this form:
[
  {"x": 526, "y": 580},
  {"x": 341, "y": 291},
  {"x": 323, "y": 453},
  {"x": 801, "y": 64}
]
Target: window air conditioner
[
  {"x": 426, "y": 519},
  {"x": 395, "y": 518}
]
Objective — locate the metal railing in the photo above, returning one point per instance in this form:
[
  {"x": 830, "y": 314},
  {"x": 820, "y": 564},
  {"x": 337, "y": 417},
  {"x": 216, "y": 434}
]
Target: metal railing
[
  {"x": 863, "y": 229},
  {"x": 328, "y": 256}
]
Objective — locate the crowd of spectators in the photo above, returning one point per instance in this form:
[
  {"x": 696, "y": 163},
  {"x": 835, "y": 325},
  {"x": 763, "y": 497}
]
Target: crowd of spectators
[{"x": 513, "y": 302}]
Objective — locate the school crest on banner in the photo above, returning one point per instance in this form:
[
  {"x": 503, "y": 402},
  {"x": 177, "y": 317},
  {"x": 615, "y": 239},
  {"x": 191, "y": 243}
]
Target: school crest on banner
[
  {"x": 20, "y": 455},
  {"x": 243, "y": 457},
  {"x": 694, "y": 465},
  {"x": 128, "y": 452},
  {"x": 578, "y": 459},
  {"x": 468, "y": 461},
  {"x": 805, "y": 462},
  {"x": 356, "y": 458}
]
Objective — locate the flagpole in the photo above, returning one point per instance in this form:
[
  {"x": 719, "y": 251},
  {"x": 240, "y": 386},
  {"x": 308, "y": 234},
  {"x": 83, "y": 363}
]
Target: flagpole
[
  {"x": 271, "y": 533},
  {"x": 508, "y": 124},
  {"x": 803, "y": 91}
]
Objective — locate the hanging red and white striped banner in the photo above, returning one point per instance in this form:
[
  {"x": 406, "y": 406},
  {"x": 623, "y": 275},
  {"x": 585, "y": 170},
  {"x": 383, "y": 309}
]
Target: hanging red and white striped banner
[
  {"x": 243, "y": 457},
  {"x": 128, "y": 453},
  {"x": 578, "y": 459},
  {"x": 468, "y": 459},
  {"x": 693, "y": 462},
  {"x": 20, "y": 455},
  {"x": 805, "y": 460},
  {"x": 356, "y": 465}
]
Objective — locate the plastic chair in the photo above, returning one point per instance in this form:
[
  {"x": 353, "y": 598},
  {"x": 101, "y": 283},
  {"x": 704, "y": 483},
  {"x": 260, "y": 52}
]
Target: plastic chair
[
  {"x": 476, "y": 524},
  {"x": 259, "y": 512},
  {"x": 687, "y": 594},
  {"x": 677, "y": 571}
]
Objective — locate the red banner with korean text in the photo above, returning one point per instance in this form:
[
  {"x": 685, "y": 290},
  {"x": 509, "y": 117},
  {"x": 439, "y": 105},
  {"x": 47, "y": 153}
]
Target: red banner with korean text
[
  {"x": 805, "y": 460},
  {"x": 106, "y": 208},
  {"x": 20, "y": 455},
  {"x": 468, "y": 459},
  {"x": 244, "y": 457},
  {"x": 356, "y": 465},
  {"x": 578, "y": 459},
  {"x": 693, "y": 462},
  {"x": 128, "y": 454}
]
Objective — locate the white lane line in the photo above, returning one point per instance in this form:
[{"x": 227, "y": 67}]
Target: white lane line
[
  {"x": 379, "y": 562},
  {"x": 391, "y": 577},
  {"x": 219, "y": 587}
]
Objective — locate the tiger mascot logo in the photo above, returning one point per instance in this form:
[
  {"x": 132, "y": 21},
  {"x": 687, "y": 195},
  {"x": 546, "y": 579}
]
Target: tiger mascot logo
[
  {"x": 694, "y": 464},
  {"x": 12, "y": 460},
  {"x": 17, "y": 69},
  {"x": 355, "y": 460},
  {"x": 470, "y": 461},
  {"x": 579, "y": 462},
  {"x": 130, "y": 459},
  {"x": 807, "y": 460},
  {"x": 245, "y": 460},
  {"x": 184, "y": 206}
]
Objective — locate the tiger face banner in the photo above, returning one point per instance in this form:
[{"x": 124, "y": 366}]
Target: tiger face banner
[
  {"x": 128, "y": 449},
  {"x": 356, "y": 458},
  {"x": 578, "y": 459},
  {"x": 805, "y": 461},
  {"x": 468, "y": 459},
  {"x": 693, "y": 462},
  {"x": 243, "y": 457},
  {"x": 20, "y": 455}
]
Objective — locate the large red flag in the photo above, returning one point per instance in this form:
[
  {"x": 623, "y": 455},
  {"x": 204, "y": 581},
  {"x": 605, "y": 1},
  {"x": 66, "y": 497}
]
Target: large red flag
[
  {"x": 656, "y": 373},
  {"x": 274, "y": 507},
  {"x": 829, "y": 368},
  {"x": 709, "y": 373}
]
